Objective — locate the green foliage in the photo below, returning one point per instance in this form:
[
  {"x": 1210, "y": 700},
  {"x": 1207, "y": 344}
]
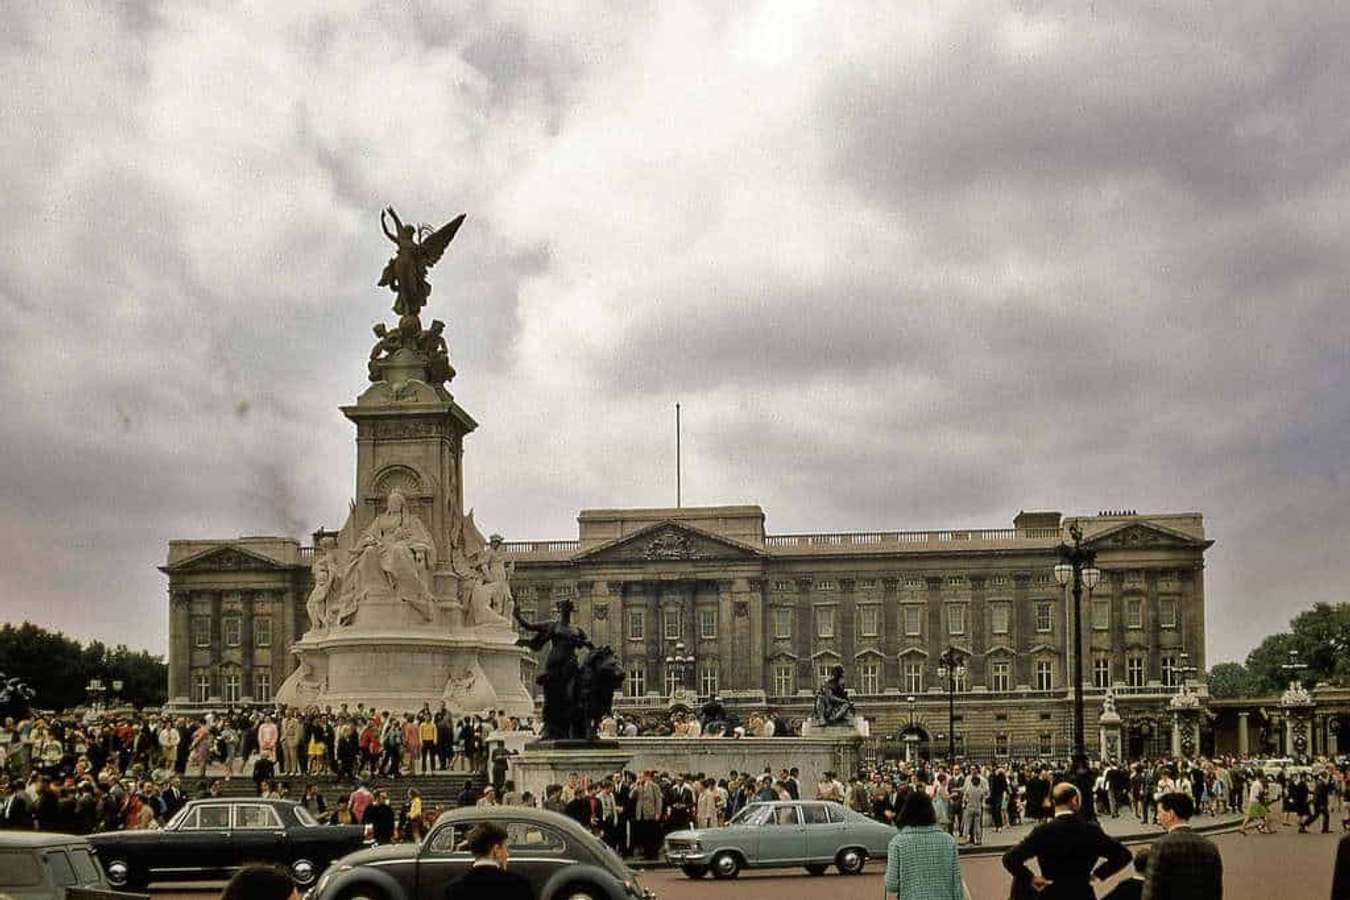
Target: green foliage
[
  {"x": 1230, "y": 679},
  {"x": 1321, "y": 636},
  {"x": 58, "y": 667}
]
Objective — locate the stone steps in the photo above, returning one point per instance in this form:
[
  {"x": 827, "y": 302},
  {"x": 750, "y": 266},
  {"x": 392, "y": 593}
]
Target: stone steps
[{"x": 440, "y": 790}]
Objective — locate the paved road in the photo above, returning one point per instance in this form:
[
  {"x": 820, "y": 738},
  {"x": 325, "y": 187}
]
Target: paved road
[{"x": 1256, "y": 867}]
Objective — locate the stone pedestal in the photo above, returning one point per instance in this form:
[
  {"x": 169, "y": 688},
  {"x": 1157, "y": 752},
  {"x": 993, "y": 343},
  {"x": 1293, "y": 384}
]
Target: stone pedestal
[
  {"x": 858, "y": 729},
  {"x": 716, "y": 756},
  {"x": 541, "y": 764},
  {"x": 1108, "y": 728}
]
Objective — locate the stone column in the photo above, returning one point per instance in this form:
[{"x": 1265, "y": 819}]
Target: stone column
[
  {"x": 747, "y": 607},
  {"x": 1176, "y": 734},
  {"x": 1243, "y": 735},
  {"x": 246, "y": 647},
  {"x": 599, "y": 599},
  {"x": 1333, "y": 737},
  {"x": 180, "y": 646}
]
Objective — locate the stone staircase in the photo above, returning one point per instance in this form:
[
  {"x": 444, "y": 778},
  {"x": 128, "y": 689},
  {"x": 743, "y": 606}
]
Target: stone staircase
[{"x": 440, "y": 790}]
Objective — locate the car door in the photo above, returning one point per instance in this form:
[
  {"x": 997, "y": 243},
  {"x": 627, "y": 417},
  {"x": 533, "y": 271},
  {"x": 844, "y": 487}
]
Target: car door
[
  {"x": 442, "y": 860},
  {"x": 824, "y": 832},
  {"x": 258, "y": 835},
  {"x": 202, "y": 840},
  {"x": 537, "y": 851},
  {"x": 782, "y": 837}
]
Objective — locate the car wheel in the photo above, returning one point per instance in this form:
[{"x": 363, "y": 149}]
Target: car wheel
[
  {"x": 304, "y": 872},
  {"x": 121, "y": 874},
  {"x": 362, "y": 892},
  {"x": 694, "y": 872},
  {"x": 579, "y": 892},
  {"x": 726, "y": 865},
  {"x": 851, "y": 861},
  {"x": 816, "y": 869}
]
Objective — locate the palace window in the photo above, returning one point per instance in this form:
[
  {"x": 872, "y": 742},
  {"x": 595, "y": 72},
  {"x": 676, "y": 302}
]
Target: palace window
[
  {"x": 960, "y": 682},
  {"x": 825, "y": 621},
  {"x": 867, "y": 584},
  {"x": 1134, "y": 671},
  {"x": 826, "y": 584},
  {"x": 784, "y": 679},
  {"x": 1045, "y": 616},
  {"x": 913, "y": 620},
  {"x": 782, "y": 623},
  {"x": 869, "y": 677},
  {"x": 823, "y": 671},
  {"x": 1000, "y": 676},
  {"x": 1047, "y": 744},
  {"x": 707, "y": 679},
  {"x": 673, "y": 680},
  {"x": 1134, "y": 612},
  {"x": 201, "y": 686},
  {"x": 1167, "y": 612},
  {"x": 956, "y": 618},
  {"x": 914, "y": 677},
  {"x": 637, "y": 624},
  {"x": 231, "y": 627},
  {"x": 998, "y": 618},
  {"x": 1000, "y": 744},
  {"x": 1169, "y": 671},
  {"x": 707, "y": 623},
  {"x": 1101, "y": 672},
  {"x": 998, "y": 579},
  {"x": 915, "y": 581},
  {"x": 262, "y": 685},
  {"x": 782, "y": 585},
  {"x": 635, "y": 682},
  {"x": 1045, "y": 675},
  {"x": 869, "y": 621},
  {"x": 262, "y": 631},
  {"x": 1101, "y": 614},
  {"x": 233, "y": 684},
  {"x": 670, "y": 623},
  {"x": 201, "y": 631}
]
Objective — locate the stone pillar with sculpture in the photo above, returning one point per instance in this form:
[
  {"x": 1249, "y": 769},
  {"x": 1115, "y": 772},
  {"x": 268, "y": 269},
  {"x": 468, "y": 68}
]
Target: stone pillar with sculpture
[
  {"x": 1186, "y": 709},
  {"x": 1297, "y": 705},
  {"x": 410, "y": 606},
  {"x": 1108, "y": 728}
]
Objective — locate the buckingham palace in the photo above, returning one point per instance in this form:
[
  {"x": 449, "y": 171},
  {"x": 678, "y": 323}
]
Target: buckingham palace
[{"x": 703, "y": 600}]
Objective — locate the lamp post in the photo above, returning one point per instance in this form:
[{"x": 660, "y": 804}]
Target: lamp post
[
  {"x": 678, "y": 664},
  {"x": 951, "y": 666},
  {"x": 1185, "y": 670},
  {"x": 1295, "y": 667},
  {"x": 910, "y": 738},
  {"x": 95, "y": 690},
  {"x": 1076, "y": 567}
]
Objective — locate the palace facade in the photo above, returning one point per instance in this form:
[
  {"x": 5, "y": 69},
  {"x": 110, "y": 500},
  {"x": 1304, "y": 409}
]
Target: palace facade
[{"x": 704, "y": 601}]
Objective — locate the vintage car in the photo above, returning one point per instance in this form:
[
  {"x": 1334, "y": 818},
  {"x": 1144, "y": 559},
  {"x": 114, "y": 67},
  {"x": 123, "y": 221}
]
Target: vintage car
[
  {"x": 45, "y": 866},
  {"x": 562, "y": 860},
  {"x": 212, "y": 837},
  {"x": 814, "y": 834}
]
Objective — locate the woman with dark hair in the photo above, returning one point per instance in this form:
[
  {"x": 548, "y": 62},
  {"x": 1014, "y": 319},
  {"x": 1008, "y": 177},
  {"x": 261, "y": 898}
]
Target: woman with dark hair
[{"x": 921, "y": 860}]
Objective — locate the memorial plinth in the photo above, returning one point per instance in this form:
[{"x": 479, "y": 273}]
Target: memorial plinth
[{"x": 543, "y": 763}]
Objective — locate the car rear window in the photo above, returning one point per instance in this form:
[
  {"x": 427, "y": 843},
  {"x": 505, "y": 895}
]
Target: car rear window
[
  {"x": 57, "y": 863},
  {"x": 85, "y": 868},
  {"x": 18, "y": 869}
]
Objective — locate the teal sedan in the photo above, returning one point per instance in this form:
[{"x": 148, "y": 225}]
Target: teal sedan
[{"x": 814, "y": 834}]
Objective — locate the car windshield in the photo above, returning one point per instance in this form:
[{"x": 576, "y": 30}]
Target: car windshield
[
  {"x": 303, "y": 815},
  {"x": 754, "y": 814},
  {"x": 178, "y": 817}
]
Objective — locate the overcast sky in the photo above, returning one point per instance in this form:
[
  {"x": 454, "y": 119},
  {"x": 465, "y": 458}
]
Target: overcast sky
[{"x": 906, "y": 265}]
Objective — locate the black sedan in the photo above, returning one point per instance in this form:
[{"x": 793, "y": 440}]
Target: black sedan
[
  {"x": 211, "y": 838},
  {"x": 562, "y": 861}
]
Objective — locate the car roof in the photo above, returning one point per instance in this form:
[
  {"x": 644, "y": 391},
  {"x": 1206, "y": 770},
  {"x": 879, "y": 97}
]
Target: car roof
[
  {"x": 230, "y": 801},
  {"x": 494, "y": 813},
  {"x": 10, "y": 840}
]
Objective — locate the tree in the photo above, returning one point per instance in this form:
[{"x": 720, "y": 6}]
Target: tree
[
  {"x": 1230, "y": 679},
  {"x": 58, "y": 668},
  {"x": 1321, "y": 636}
]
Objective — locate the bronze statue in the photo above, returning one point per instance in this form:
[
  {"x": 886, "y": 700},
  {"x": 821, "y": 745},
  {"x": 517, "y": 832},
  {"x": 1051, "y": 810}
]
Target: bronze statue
[
  {"x": 576, "y": 696},
  {"x": 833, "y": 707},
  {"x": 418, "y": 250}
]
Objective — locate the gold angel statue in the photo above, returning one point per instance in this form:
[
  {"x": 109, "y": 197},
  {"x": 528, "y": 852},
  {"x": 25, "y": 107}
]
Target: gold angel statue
[{"x": 418, "y": 250}]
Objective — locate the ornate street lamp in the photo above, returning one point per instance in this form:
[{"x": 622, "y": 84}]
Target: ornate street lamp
[
  {"x": 95, "y": 690},
  {"x": 951, "y": 666},
  {"x": 1295, "y": 667},
  {"x": 1076, "y": 567},
  {"x": 1185, "y": 670},
  {"x": 678, "y": 664}
]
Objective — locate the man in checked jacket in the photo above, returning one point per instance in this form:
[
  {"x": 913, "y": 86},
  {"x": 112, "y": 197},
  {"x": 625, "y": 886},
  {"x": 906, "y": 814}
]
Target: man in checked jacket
[{"x": 1182, "y": 865}]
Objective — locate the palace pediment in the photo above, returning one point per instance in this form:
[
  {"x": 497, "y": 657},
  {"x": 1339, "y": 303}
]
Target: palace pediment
[
  {"x": 1144, "y": 535},
  {"x": 226, "y": 558},
  {"x": 670, "y": 541}
]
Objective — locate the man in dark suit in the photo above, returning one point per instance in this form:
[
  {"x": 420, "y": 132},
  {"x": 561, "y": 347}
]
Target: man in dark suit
[
  {"x": 1182, "y": 864},
  {"x": 488, "y": 878},
  {"x": 1067, "y": 848},
  {"x": 1340, "y": 878}
]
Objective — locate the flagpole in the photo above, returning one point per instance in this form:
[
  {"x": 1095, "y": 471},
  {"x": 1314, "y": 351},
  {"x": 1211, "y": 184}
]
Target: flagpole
[{"x": 678, "y": 485}]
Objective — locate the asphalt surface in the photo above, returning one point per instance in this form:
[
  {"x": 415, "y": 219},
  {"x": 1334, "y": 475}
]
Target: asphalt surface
[{"x": 1286, "y": 865}]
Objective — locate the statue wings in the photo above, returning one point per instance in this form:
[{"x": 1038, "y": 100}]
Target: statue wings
[{"x": 432, "y": 248}]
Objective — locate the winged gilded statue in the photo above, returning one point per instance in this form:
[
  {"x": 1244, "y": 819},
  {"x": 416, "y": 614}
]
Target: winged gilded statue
[{"x": 418, "y": 250}]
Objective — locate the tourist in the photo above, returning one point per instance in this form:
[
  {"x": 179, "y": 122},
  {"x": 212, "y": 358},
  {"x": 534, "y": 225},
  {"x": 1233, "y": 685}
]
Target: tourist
[
  {"x": 1132, "y": 888},
  {"x": 488, "y": 876},
  {"x": 379, "y": 815},
  {"x": 426, "y": 735},
  {"x": 1340, "y": 876},
  {"x": 258, "y": 882},
  {"x": 921, "y": 860},
  {"x": 1183, "y": 865},
  {"x": 973, "y": 796},
  {"x": 1256, "y": 808},
  {"x": 1067, "y": 849}
]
